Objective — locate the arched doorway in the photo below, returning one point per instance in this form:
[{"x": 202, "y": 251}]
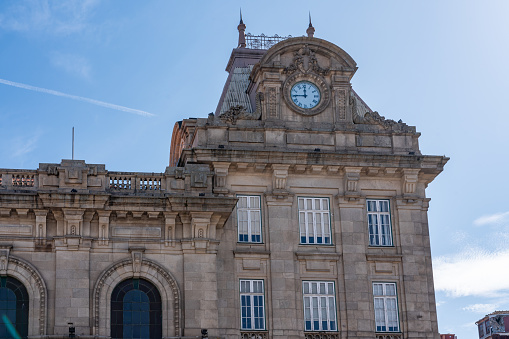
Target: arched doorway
[
  {"x": 136, "y": 310},
  {"x": 13, "y": 308}
]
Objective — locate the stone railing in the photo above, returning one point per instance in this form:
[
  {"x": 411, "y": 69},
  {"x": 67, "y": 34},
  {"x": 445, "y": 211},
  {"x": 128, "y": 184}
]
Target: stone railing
[
  {"x": 15, "y": 179},
  {"x": 120, "y": 181},
  {"x": 321, "y": 335},
  {"x": 389, "y": 336},
  {"x": 254, "y": 335}
]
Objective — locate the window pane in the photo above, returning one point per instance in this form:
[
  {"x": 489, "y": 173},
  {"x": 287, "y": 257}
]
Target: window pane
[
  {"x": 319, "y": 306},
  {"x": 249, "y": 218},
  {"x": 386, "y": 307},
  {"x": 252, "y": 305}
]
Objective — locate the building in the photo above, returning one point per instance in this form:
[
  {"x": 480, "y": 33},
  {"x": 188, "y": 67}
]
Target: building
[
  {"x": 293, "y": 211},
  {"x": 494, "y": 325},
  {"x": 448, "y": 336}
]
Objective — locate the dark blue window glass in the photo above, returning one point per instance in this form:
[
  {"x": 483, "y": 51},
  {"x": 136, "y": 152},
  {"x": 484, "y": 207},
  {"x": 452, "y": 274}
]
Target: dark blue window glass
[
  {"x": 13, "y": 308},
  {"x": 136, "y": 310}
]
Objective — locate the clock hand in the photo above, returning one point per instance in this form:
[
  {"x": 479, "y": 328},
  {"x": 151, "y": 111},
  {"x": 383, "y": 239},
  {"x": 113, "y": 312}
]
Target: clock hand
[{"x": 305, "y": 96}]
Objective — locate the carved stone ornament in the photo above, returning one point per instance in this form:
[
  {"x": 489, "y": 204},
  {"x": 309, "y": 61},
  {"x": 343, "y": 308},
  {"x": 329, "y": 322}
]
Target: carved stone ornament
[
  {"x": 305, "y": 61},
  {"x": 304, "y": 67},
  {"x": 239, "y": 112},
  {"x": 4, "y": 259},
  {"x": 361, "y": 116}
]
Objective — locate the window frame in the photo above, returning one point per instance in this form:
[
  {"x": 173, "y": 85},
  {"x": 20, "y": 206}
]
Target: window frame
[
  {"x": 332, "y": 320},
  {"x": 386, "y": 297},
  {"x": 305, "y": 234},
  {"x": 250, "y": 229},
  {"x": 379, "y": 235},
  {"x": 251, "y": 297},
  {"x": 118, "y": 308}
]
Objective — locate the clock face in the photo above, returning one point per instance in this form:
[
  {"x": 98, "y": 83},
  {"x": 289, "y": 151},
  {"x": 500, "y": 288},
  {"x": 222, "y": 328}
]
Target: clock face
[{"x": 305, "y": 94}]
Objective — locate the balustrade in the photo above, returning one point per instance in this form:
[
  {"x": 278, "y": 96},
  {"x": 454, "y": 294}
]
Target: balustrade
[
  {"x": 135, "y": 181},
  {"x": 253, "y": 335},
  {"x": 389, "y": 336},
  {"x": 321, "y": 335}
]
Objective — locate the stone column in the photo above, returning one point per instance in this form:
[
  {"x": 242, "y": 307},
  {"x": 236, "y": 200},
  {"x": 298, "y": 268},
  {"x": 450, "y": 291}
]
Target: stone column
[
  {"x": 72, "y": 277},
  {"x": 355, "y": 292},
  {"x": 283, "y": 231},
  {"x": 200, "y": 274},
  {"x": 418, "y": 306}
]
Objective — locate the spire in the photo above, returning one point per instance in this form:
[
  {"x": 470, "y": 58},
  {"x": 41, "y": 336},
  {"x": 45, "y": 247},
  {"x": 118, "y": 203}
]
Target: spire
[
  {"x": 242, "y": 36},
  {"x": 311, "y": 30}
]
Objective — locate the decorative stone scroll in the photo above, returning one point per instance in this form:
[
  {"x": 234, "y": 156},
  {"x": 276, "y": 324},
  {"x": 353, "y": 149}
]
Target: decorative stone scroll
[
  {"x": 239, "y": 112},
  {"x": 352, "y": 177},
  {"x": 410, "y": 179},
  {"x": 279, "y": 178},
  {"x": 220, "y": 174},
  {"x": 304, "y": 60}
]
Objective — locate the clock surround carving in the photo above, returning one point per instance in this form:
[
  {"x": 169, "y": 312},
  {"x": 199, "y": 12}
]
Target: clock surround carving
[{"x": 318, "y": 81}]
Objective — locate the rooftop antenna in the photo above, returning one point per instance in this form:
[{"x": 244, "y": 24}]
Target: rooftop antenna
[
  {"x": 73, "y": 143},
  {"x": 242, "y": 36},
  {"x": 311, "y": 30}
]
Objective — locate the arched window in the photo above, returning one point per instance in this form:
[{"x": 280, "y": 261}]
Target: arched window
[
  {"x": 136, "y": 310},
  {"x": 13, "y": 308}
]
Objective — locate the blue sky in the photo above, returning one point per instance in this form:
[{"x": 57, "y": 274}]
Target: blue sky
[{"x": 438, "y": 65}]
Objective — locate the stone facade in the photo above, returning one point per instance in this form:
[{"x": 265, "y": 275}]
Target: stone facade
[{"x": 273, "y": 220}]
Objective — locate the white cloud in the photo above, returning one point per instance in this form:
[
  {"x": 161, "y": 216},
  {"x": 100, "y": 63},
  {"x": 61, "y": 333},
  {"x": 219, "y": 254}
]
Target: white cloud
[
  {"x": 75, "y": 97},
  {"x": 481, "y": 308},
  {"x": 497, "y": 218},
  {"x": 57, "y": 17},
  {"x": 71, "y": 63},
  {"x": 474, "y": 272},
  {"x": 26, "y": 145}
]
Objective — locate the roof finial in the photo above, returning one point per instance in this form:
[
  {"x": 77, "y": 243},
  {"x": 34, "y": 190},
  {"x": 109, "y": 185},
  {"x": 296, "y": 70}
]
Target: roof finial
[
  {"x": 311, "y": 30},
  {"x": 242, "y": 36}
]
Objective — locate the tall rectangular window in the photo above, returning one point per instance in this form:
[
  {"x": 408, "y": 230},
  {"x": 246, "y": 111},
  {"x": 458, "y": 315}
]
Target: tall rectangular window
[
  {"x": 386, "y": 307},
  {"x": 319, "y": 306},
  {"x": 379, "y": 222},
  {"x": 249, "y": 218},
  {"x": 314, "y": 221},
  {"x": 252, "y": 307}
]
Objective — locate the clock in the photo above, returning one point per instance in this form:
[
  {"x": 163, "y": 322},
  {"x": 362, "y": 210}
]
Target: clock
[{"x": 305, "y": 94}]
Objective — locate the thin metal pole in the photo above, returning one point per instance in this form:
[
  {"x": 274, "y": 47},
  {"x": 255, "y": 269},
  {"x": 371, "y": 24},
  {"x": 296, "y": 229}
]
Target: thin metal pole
[{"x": 73, "y": 143}]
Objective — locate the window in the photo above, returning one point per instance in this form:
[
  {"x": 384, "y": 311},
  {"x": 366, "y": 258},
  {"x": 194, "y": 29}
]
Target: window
[
  {"x": 14, "y": 305},
  {"x": 136, "y": 310},
  {"x": 481, "y": 330},
  {"x": 252, "y": 305},
  {"x": 314, "y": 221},
  {"x": 386, "y": 307},
  {"x": 379, "y": 222},
  {"x": 488, "y": 327},
  {"x": 319, "y": 306},
  {"x": 249, "y": 218}
]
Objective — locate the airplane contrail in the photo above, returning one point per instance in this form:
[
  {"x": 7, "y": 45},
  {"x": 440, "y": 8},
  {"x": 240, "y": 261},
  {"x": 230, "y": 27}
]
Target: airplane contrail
[{"x": 75, "y": 97}]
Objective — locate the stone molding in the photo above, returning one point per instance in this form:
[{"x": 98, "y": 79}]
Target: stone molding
[
  {"x": 149, "y": 270},
  {"x": 28, "y": 275}
]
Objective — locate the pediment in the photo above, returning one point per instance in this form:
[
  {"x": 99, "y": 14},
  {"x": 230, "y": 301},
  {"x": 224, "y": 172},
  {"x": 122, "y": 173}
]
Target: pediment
[{"x": 295, "y": 53}]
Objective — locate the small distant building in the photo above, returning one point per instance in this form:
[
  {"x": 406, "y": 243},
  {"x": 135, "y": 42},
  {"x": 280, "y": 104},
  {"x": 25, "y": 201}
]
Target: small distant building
[
  {"x": 448, "y": 336},
  {"x": 494, "y": 325}
]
